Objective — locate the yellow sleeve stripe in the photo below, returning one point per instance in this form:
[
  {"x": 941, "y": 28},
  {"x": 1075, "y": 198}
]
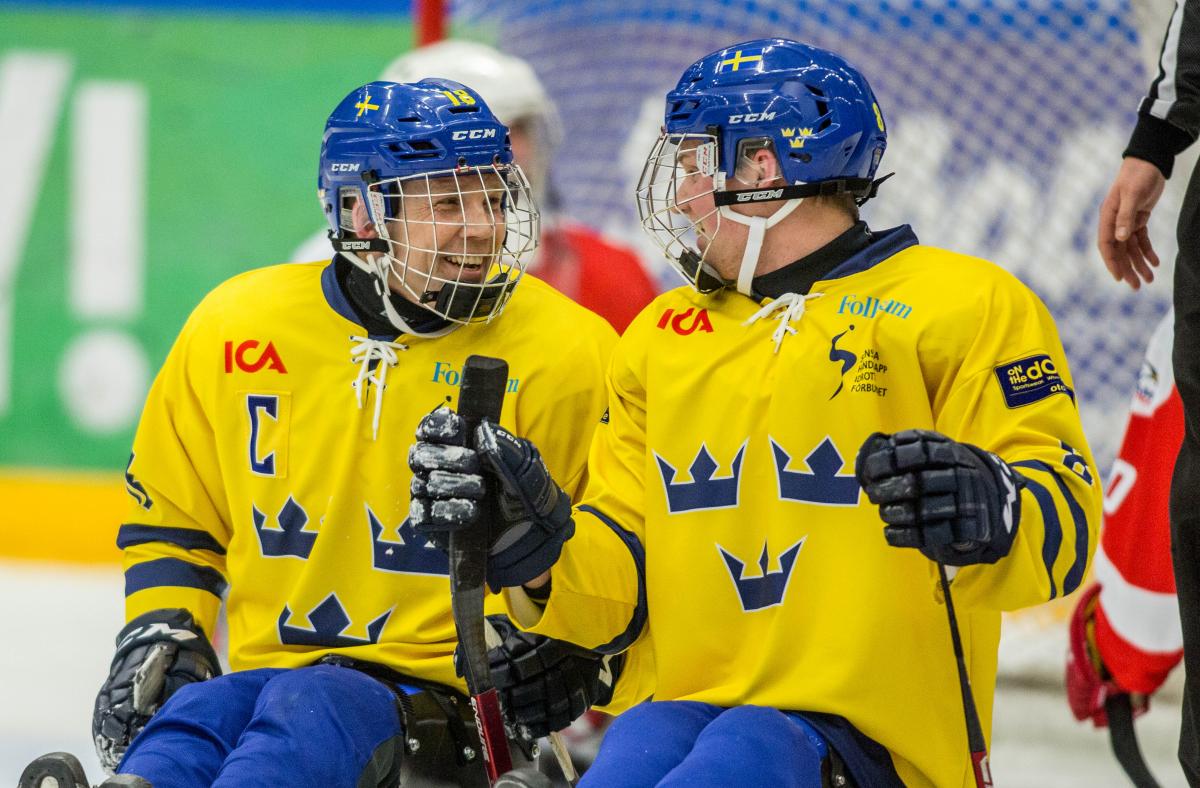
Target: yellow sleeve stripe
[{"x": 1053, "y": 529}]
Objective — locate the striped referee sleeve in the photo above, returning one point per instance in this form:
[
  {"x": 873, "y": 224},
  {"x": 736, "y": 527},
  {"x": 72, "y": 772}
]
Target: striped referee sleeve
[{"x": 1169, "y": 116}]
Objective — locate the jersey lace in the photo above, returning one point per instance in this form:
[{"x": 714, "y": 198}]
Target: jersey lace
[
  {"x": 374, "y": 357},
  {"x": 790, "y": 307}
]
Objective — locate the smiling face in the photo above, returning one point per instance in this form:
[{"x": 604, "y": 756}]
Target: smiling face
[
  {"x": 446, "y": 230},
  {"x": 675, "y": 201},
  {"x": 457, "y": 240}
]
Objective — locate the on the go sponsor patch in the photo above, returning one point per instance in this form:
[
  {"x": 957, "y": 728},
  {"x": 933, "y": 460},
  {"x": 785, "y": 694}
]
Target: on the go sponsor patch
[{"x": 1029, "y": 380}]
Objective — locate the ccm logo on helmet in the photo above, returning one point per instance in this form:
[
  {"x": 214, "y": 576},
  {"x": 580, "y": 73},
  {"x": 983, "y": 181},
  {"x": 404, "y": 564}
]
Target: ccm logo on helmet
[
  {"x": 473, "y": 134},
  {"x": 241, "y": 357},
  {"x": 751, "y": 117},
  {"x": 765, "y": 194},
  {"x": 338, "y": 166}
]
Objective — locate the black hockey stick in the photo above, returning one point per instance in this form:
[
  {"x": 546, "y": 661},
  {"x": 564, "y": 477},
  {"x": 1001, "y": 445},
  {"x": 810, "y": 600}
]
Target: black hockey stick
[
  {"x": 484, "y": 380},
  {"x": 975, "y": 740},
  {"x": 1124, "y": 740}
]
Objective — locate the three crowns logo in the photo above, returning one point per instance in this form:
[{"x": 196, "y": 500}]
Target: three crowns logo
[
  {"x": 287, "y": 535},
  {"x": 402, "y": 549},
  {"x": 328, "y": 625},
  {"x": 768, "y": 588},
  {"x": 794, "y": 140},
  {"x": 706, "y": 490},
  {"x": 822, "y": 483}
]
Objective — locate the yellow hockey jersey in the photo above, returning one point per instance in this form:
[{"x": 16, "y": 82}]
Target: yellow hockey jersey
[
  {"x": 723, "y": 517},
  {"x": 256, "y": 464}
]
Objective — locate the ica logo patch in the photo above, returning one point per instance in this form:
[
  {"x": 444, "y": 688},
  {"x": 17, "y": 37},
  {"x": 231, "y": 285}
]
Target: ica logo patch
[
  {"x": 1029, "y": 380},
  {"x": 686, "y": 322},
  {"x": 247, "y": 357}
]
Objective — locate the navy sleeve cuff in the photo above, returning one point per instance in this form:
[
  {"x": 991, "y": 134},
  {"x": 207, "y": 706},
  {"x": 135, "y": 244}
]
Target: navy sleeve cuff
[
  {"x": 132, "y": 534},
  {"x": 638, "y": 621}
]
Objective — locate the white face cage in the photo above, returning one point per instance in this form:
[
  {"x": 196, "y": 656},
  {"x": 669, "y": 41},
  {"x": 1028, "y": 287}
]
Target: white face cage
[
  {"x": 458, "y": 240},
  {"x": 681, "y": 169}
]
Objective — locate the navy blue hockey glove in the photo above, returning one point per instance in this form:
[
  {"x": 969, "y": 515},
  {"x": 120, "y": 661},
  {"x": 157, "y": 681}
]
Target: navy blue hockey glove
[
  {"x": 955, "y": 502},
  {"x": 546, "y": 684},
  {"x": 450, "y": 481},
  {"x": 157, "y": 653},
  {"x": 447, "y": 483}
]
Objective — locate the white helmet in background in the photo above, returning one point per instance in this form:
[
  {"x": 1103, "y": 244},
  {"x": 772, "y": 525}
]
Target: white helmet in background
[{"x": 507, "y": 83}]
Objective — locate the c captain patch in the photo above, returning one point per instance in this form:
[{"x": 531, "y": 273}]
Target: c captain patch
[{"x": 1029, "y": 380}]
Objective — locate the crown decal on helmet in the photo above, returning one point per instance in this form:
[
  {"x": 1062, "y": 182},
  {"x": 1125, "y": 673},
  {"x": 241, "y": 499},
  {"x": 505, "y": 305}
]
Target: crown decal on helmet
[{"x": 791, "y": 135}]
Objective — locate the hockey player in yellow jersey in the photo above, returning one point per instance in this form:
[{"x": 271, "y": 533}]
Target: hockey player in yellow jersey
[
  {"x": 269, "y": 464},
  {"x": 796, "y": 441}
]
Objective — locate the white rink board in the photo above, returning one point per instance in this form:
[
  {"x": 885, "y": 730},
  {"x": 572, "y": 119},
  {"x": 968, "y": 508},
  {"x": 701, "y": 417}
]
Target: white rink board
[{"x": 59, "y": 623}]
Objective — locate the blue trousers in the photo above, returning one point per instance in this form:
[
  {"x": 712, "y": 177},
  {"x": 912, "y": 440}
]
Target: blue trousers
[
  {"x": 316, "y": 726},
  {"x": 686, "y": 744}
]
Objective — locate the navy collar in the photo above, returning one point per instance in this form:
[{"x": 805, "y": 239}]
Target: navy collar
[
  {"x": 347, "y": 289},
  {"x": 334, "y": 295},
  {"x": 853, "y": 251}
]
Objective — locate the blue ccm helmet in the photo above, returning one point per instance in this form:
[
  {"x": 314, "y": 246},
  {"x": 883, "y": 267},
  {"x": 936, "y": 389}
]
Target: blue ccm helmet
[
  {"x": 816, "y": 111},
  {"x": 388, "y": 144}
]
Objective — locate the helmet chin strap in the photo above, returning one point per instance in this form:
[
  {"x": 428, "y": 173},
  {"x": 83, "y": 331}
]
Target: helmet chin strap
[
  {"x": 380, "y": 269},
  {"x": 758, "y": 226},
  {"x": 379, "y": 266}
]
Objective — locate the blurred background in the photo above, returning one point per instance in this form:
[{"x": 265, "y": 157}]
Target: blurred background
[{"x": 152, "y": 148}]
